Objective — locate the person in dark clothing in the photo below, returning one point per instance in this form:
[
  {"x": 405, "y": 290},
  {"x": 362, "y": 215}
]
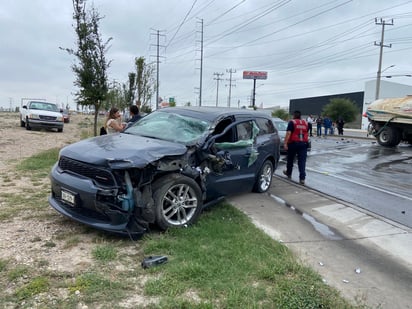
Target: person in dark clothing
[
  {"x": 296, "y": 144},
  {"x": 134, "y": 113},
  {"x": 340, "y": 123},
  {"x": 319, "y": 123},
  {"x": 327, "y": 123}
]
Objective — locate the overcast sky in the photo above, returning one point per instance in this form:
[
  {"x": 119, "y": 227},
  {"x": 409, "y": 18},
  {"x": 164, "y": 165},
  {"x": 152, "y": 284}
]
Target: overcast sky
[{"x": 307, "y": 47}]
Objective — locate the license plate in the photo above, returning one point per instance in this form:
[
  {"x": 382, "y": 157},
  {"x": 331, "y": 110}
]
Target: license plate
[{"x": 68, "y": 197}]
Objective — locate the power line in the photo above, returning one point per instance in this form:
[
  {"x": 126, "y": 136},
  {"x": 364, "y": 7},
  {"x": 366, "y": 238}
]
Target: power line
[{"x": 181, "y": 24}]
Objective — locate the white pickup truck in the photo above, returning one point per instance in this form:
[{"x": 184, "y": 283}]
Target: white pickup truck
[
  {"x": 390, "y": 120},
  {"x": 41, "y": 115}
]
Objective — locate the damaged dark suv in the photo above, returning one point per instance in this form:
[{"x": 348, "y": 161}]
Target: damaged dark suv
[{"x": 165, "y": 168}]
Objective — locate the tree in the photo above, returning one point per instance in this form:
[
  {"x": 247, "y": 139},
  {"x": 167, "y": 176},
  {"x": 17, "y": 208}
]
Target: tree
[
  {"x": 281, "y": 113},
  {"x": 91, "y": 67},
  {"x": 144, "y": 84},
  {"x": 117, "y": 96},
  {"x": 131, "y": 88},
  {"x": 341, "y": 108}
]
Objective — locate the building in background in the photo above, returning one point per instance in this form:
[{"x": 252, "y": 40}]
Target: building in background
[{"x": 314, "y": 105}]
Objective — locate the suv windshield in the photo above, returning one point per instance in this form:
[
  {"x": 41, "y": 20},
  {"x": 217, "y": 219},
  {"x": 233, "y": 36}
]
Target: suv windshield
[{"x": 170, "y": 127}]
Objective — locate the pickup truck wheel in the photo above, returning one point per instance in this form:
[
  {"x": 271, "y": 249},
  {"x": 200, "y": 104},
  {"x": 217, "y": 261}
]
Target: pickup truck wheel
[
  {"x": 389, "y": 137},
  {"x": 22, "y": 124},
  {"x": 60, "y": 130},
  {"x": 178, "y": 201},
  {"x": 27, "y": 124}
]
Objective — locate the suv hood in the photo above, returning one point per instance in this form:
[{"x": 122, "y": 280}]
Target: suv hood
[{"x": 122, "y": 149}]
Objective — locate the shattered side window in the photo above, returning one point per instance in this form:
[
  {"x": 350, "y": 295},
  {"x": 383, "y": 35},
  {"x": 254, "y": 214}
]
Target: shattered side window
[
  {"x": 265, "y": 126},
  {"x": 171, "y": 127},
  {"x": 244, "y": 131}
]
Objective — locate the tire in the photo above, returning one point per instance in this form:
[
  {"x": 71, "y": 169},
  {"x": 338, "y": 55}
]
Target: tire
[
  {"x": 178, "y": 201},
  {"x": 22, "y": 124},
  {"x": 388, "y": 137},
  {"x": 27, "y": 124},
  {"x": 60, "y": 130},
  {"x": 264, "y": 177}
]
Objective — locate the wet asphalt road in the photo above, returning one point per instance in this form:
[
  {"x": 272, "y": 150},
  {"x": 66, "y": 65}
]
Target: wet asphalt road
[{"x": 363, "y": 173}]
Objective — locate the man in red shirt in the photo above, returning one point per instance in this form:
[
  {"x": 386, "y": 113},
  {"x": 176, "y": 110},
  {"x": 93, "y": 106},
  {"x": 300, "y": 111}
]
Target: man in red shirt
[{"x": 296, "y": 144}]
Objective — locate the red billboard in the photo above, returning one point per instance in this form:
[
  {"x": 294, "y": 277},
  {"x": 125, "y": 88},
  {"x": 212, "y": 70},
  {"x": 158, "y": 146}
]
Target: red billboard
[{"x": 255, "y": 75}]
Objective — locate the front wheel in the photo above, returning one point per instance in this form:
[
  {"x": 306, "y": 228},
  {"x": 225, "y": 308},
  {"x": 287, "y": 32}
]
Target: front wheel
[
  {"x": 178, "y": 201},
  {"x": 28, "y": 127},
  {"x": 264, "y": 178}
]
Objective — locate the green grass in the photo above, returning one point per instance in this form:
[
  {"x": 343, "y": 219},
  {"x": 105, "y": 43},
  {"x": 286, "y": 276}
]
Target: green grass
[
  {"x": 104, "y": 253},
  {"x": 17, "y": 272},
  {"x": 223, "y": 261},
  {"x": 226, "y": 260},
  {"x": 95, "y": 287},
  {"x": 3, "y": 265},
  {"x": 41, "y": 162},
  {"x": 34, "y": 287}
]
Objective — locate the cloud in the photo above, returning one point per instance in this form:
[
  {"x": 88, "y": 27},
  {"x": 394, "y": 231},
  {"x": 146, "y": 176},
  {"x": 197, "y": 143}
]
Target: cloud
[{"x": 308, "y": 47}]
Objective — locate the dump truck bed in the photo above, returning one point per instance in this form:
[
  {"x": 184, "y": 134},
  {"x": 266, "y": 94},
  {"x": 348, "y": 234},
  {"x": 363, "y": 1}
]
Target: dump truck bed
[{"x": 393, "y": 109}]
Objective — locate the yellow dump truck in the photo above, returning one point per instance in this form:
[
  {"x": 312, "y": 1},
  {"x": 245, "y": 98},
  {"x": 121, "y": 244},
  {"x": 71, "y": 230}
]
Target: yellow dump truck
[{"x": 390, "y": 120}]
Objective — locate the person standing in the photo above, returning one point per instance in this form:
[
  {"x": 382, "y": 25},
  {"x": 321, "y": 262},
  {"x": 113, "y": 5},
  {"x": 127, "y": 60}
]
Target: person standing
[
  {"x": 296, "y": 144},
  {"x": 135, "y": 115},
  {"x": 113, "y": 123},
  {"x": 327, "y": 123},
  {"x": 319, "y": 122},
  {"x": 309, "y": 120},
  {"x": 340, "y": 123}
]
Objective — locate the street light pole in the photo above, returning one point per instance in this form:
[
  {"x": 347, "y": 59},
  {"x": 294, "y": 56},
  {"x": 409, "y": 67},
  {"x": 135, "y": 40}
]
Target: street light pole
[{"x": 378, "y": 80}]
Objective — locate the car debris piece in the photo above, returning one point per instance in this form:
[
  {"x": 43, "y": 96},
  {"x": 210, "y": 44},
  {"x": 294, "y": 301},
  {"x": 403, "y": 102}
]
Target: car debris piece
[{"x": 154, "y": 261}]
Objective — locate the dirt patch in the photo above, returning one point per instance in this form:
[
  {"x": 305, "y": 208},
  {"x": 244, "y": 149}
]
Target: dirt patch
[
  {"x": 23, "y": 239},
  {"x": 37, "y": 243},
  {"x": 18, "y": 143}
]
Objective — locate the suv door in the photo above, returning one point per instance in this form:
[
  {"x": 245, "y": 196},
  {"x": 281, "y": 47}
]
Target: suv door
[{"x": 240, "y": 149}]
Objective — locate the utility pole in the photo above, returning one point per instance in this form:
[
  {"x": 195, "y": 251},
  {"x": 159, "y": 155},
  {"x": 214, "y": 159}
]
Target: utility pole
[
  {"x": 201, "y": 62},
  {"x": 381, "y": 45},
  {"x": 230, "y": 71},
  {"x": 157, "y": 65},
  {"x": 218, "y": 79}
]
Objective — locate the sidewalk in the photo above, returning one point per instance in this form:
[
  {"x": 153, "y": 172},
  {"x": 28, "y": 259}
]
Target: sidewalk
[
  {"x": 351, "y": 133},
  {"x": 367, "y": 258}
]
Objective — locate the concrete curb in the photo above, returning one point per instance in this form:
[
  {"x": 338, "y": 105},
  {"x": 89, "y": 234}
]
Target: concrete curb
[{"x": 362, "y": 255}]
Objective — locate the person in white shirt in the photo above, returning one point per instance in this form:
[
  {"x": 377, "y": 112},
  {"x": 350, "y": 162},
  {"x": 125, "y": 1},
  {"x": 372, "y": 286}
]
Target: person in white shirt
[
  {"x": 113, "y": 123},
  {"x": 310, "y": 120}
]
